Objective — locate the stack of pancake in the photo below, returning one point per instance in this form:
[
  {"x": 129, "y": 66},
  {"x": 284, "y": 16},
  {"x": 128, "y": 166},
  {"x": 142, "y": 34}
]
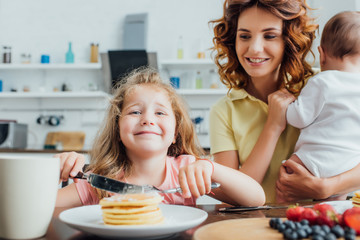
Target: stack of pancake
[
  {"x": 356, "y": 199},
  {"x": 132, "y": 209}
]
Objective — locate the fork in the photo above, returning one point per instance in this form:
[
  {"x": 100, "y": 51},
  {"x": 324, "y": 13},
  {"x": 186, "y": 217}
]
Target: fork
[{"x": 148, "y": 188}]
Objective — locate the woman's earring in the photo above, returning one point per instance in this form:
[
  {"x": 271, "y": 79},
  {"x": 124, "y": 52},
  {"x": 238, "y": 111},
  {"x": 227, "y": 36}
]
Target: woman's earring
[{"x": 174, "y": 141}]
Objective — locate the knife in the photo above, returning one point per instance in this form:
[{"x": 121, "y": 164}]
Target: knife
[
  {"x": 243, "y": 209},
  {"x": 109, "y": 184},
  {"x": 115, "y": 186}
]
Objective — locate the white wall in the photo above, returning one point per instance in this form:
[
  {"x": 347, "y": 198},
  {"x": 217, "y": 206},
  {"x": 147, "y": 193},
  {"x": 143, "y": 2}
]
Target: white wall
[{"x": 46, "y": 26}]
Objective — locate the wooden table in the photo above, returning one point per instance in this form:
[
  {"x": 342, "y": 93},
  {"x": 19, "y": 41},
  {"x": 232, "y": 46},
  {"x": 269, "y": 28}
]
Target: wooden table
[{"x": 60, "y": 231}]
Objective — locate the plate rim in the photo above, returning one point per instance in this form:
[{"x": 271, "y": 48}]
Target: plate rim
[{"x": 133, "y": 231}]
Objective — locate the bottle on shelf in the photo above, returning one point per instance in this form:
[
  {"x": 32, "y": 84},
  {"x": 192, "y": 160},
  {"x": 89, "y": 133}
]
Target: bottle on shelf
[
  {"x": 180, "y": 50},
  {"x": 214, "y": 79},
  {"x": 201, "y": 52},
  {"x": 94, "y": 52},
  {"x": 25, "y": 58},
  {"x": 69, "y": 56},
  {"x": 198, "y": 81},
  {"x": 6, "y": 54}
]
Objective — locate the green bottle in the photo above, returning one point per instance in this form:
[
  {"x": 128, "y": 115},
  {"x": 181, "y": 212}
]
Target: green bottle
[
  {"x": 69, "y": 57},
  {"x": 198, "y": 81}
]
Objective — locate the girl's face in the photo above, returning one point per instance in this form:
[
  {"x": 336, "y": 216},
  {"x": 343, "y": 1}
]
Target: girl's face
[
  {"x": 147, "y": 123},
  {"x": 259, "y": 42}
]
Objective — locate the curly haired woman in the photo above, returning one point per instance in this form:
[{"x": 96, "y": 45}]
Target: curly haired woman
[{"x": 261, "y": 46}]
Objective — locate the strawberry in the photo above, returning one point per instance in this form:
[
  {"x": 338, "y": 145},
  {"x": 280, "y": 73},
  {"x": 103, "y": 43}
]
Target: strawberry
[
  {"x": 323, "y": 208},
  {"x": 294, "y": 213},
  {"x": 351, "y": 218},
  {"x": 326, "y": 214},
  {"x": 310, "y": 215},
  {"x": 340, "y": 219},
  {"x": 329, "y": 219}
]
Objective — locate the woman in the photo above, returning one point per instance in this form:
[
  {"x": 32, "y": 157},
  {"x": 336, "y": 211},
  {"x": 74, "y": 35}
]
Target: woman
[{"x": 261, "y": 47}]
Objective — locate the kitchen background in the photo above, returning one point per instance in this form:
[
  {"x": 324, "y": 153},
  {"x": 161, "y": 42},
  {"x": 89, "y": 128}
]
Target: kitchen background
[{"x": 72, "y": 97}]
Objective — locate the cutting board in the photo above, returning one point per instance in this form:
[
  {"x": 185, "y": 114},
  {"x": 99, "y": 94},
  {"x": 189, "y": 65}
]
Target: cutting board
[
  {"x": 245, "y": 228},
  {"x": 69, "y": 140}
]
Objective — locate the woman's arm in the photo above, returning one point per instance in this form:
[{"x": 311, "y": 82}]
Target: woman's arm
[
  {"x": 235, "y": 187},
  {"x": 260, "y": 157},
  {"x": 301, "y": 184}
]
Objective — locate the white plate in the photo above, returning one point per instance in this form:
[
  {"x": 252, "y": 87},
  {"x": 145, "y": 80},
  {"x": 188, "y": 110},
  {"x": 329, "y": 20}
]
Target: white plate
[
  {"x": 340, "y": 206},
  {"x": 177, "y": 219}
]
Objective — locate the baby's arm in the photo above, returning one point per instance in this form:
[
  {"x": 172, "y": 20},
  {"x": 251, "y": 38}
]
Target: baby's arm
[
  {"x": 235, "y": 187},
  {"x": 307, "y": 107}
]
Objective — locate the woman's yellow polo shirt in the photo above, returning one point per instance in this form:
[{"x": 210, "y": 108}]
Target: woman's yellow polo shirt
[{"x": 236, "y": 122}]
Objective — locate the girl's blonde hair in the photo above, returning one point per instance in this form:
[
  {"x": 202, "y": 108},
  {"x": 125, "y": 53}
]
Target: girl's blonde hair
[
  {"x": 298, "y": 33},
  {"x": 108, "y": 156}
]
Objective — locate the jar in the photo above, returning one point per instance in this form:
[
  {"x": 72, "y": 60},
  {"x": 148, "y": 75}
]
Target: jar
[{"x": 6, "y": 54}]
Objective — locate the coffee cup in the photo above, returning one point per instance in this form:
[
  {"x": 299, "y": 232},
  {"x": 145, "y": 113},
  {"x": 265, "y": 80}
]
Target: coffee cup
[{"x": 28, "y": 189}]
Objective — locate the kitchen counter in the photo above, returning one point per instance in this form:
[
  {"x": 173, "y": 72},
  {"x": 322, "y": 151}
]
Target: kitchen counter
[
  {"x": 59, "y": 230},
  {"x": 11, "y": 150}
]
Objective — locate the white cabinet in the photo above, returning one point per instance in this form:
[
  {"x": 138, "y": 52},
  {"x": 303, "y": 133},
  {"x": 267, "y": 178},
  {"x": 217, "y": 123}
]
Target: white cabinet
[
  {"x": 199, "y": 100},
  {"x": 81, "y": 109},
  {"x": 50, "y": 66},
  {"x": 189, "y": 70}
]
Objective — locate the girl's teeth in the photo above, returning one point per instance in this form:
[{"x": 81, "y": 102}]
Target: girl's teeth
[{"x": 256, "y": 60}]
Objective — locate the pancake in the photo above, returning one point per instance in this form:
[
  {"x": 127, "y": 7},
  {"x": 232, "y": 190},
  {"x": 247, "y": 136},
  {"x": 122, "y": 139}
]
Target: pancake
[
  {"x": 356, "y": 199},
  {"x": 132, "y": 209}
]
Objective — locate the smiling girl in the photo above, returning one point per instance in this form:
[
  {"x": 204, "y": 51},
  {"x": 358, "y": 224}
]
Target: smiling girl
[{"x": 149, "y": 138}]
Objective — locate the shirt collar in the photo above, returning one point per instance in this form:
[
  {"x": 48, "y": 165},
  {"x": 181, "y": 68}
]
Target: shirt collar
[{"x": 238, "y": 94}]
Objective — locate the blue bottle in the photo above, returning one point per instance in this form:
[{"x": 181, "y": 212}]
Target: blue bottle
[{"x": 69, "y": 57}]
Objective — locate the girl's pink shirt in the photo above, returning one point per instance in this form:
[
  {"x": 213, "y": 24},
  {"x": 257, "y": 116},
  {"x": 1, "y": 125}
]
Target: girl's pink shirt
[{"x": 88, "y": 197}]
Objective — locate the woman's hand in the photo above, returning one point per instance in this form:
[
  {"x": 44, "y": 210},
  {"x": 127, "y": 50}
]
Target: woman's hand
[
  {"x": 70, "y": 164},
  {"x": 298, "y": 185},
  {"x": 278, "y": 103},
  {"x": 195, "y": 178}
]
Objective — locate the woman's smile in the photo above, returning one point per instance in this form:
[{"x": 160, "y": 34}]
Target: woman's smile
[{"x": 255, "y": 61}]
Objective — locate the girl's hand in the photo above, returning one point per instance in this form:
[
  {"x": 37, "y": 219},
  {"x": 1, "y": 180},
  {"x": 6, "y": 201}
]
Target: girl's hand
[
  {"x": 278, "y": 103},
  {"x": 70, "y": 164},
  {"x": 195, "y": 178},
  {"x": 298, "y": 185}
]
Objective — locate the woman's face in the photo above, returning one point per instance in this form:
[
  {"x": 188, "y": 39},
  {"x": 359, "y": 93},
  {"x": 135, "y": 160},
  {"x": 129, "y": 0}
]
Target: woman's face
[{"x": 259, "y": 42}]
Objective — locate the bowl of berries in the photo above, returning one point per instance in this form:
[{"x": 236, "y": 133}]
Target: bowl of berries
[{"x": 320, "y": 222}]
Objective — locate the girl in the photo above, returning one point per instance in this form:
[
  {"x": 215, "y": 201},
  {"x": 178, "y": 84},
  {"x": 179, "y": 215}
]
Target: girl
[{"x": 148, "y": 138}]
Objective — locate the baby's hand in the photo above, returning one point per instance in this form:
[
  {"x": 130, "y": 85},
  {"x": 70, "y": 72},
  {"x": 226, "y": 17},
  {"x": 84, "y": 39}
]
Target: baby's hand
[
  {"x": 195, "y": 178},
  {"x": 278, "y": 104},
  {"x": 70, "y": 164}
]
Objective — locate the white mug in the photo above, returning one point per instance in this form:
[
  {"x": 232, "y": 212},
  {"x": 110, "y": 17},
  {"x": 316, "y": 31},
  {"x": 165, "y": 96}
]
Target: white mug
[{"x": 28, "y": 189}]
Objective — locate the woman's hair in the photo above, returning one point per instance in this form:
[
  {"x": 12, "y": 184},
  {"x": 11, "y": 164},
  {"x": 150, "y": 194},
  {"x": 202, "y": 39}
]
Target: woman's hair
[
  {"x": 341, "y": 35},
  {"x": 298, "y": 34},
  {"x": 108, "y": 155}
]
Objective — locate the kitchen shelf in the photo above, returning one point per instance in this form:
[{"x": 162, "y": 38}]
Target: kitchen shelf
[
  {"x": 50, "y": 66},
  {"x": 84, "y": 94},
  {"x": 208, "y": 91},
  {"x": 188, "y": 63}
]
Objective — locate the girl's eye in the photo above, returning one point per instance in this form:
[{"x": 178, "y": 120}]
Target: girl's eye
[
  {"x": 160, "y": 113},
  {"x": 135, "y": 112}
]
